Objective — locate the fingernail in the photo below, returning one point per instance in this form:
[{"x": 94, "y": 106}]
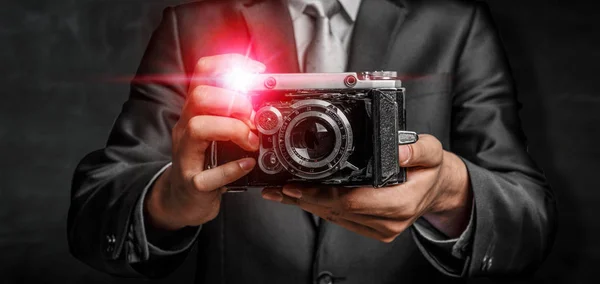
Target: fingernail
[
  {"x": 404, "y": 153},
  {"x": 250, "y": 124},
  {"x": 292, "y": 192},
  {"x": 273, "y": 196},
  {"x": 259, "y": 67},
  {"x": 254, "y": 67},
  {"x": 247, "y": 164},
  {"x": 253, "y": 139},
  {"x": 251, "y": 120}
]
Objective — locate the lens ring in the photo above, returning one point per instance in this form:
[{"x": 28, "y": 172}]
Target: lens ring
[
  {"x": 335, "y": 118},
  {"x": 297, "y": 157}
]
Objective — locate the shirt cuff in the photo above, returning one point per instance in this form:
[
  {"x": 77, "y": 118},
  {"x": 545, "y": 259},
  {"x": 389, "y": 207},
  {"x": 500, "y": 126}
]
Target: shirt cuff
[
  {"x": 146, "y": 242},
  {"x": 451, "y": 255}
]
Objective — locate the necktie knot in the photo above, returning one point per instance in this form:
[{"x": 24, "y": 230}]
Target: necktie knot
[
  {"x": 322, "y": 8},
  {"x": 325, "y": 54}
]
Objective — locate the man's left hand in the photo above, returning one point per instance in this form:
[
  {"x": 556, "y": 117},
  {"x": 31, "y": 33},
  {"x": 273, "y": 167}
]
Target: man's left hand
[{"x": 437, "y": 189}]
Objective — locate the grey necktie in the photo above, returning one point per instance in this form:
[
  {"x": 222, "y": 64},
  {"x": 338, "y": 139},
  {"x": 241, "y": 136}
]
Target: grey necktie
[{"x": 325, "y": 54}]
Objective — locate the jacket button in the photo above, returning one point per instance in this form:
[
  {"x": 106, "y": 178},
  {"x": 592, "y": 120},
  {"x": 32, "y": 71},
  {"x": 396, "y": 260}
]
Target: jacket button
[
  {"x": 486, "y": 263},
  {"x": 111, "y": 239},
  {"x": 110, "y": 242},
  {"x": 325, "y": 278}
]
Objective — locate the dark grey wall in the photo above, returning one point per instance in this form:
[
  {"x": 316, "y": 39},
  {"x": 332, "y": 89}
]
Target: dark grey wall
[
  {"x": 56, "y": 107},
  {"x": 554, "y": 50}
]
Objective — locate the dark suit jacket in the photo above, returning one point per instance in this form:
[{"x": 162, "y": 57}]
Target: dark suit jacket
[{"x": 459, "y": 89}]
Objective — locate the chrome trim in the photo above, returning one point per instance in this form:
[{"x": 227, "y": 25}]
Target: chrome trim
[
  {"x": 277, "y": 114},
  {"x": 348, "y": 146},
  {"x": 407, "y": 137}
]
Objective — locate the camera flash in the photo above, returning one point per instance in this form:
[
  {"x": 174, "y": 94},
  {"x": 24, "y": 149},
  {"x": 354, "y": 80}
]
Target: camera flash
[{"x": 238, "y": 79}]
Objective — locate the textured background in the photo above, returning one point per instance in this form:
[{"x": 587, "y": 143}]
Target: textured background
[{"x": 55, "y": 108}]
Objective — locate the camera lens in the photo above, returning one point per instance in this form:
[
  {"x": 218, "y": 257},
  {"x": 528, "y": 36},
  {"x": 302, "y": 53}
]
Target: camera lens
[{"x": 313, "y": 139}]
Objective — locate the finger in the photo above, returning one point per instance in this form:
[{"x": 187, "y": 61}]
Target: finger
[
  {"x": 341, "y": 219},
  {"x": 209, "y": 100},
  {"x": 273, "y": 194},
  {"x": 208, "y": 68},
  {"x": 196, "y": 136},
  {"x": 426, "y": 152},
  {"x": 220, "y": 176},
  {"x": 321, "y": 196},
  {"x": 217, "y": 128},
  {"x": 386, "y": 227},
  {"x": 365, "y": 200}
]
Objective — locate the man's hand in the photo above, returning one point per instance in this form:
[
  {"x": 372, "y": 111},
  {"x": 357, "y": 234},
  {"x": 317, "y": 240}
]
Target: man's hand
[
  {"x": 186, "y": 194},
  {"x": 437, "y": 189}
]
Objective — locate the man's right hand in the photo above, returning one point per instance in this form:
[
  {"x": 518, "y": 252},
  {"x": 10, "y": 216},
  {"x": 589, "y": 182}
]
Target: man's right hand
[{"x": 187, "y": 194}]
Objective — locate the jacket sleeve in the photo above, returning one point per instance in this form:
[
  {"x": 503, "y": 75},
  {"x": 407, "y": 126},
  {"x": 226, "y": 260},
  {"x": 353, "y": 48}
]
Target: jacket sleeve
[
  {"x": 447, "y": 255},
  {"x": 108, "y": 183},
  {"x": 514, "y": 206}
]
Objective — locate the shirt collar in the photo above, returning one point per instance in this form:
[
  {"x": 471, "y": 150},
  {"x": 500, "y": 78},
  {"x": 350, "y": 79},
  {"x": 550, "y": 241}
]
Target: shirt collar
[{"x": 350, "y": 7}]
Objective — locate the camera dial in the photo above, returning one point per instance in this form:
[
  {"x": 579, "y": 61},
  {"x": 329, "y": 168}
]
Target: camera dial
[
  {"x": 268, "y": 120},
  {"x": 269, "y": 163}
]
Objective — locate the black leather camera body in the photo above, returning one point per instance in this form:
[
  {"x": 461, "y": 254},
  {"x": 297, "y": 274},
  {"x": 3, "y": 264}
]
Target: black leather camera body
[{"x": 340, "y": 129}]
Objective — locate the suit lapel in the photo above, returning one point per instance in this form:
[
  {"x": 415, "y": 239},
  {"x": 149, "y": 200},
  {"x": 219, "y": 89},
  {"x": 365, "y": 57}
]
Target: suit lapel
[
  {"x": 376, "y": 25},
  {"x": 271, "y": 35}
]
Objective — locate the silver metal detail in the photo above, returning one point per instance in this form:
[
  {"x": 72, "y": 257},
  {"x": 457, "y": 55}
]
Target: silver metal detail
[
  {"x": 383, "y": 75},
  {"x": 269, "y": 163},
  {"x": 288, "y": 142},
  {"x": 407, "y": 137},
  {"x": 270, "y": 83},
  {"x": 351, "y": 166},
  {"x": 236, "y": 189},
  {"x": 264, "y": 114},
  {"x": 212, "y": 156},
  {"x": 293, "y": 169},
  {"x": 350, "y": 81},
  {"x": 323, "y": 81},
  {"x": 379, "y": 75}
]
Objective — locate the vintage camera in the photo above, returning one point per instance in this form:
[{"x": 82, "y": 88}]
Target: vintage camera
[{"x": 339, "y": 129}]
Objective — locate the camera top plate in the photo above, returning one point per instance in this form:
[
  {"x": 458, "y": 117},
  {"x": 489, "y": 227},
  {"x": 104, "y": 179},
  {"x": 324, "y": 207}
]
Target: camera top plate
[{"x": 324, "y": 81}]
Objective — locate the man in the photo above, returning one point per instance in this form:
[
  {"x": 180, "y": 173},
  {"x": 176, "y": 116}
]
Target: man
[{"x": 474, "y": 203}]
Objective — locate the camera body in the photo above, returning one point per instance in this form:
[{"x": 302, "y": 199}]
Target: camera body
[{"x": 338, "y": 129}]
